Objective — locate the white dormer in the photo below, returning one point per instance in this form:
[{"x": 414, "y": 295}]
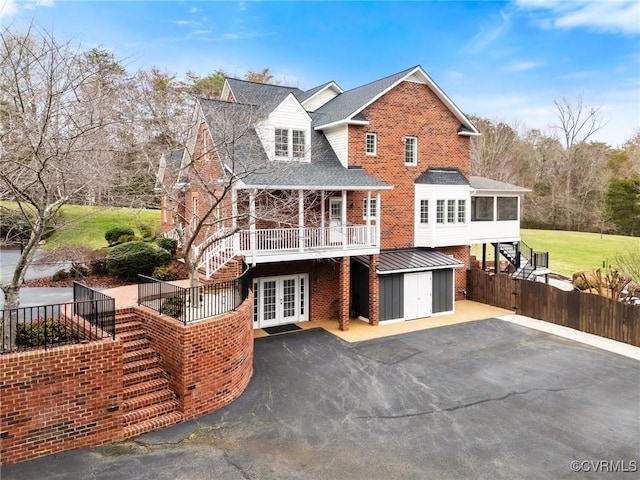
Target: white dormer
[
  {"x": 286, "y": 132},
  {"x": 325, "y": 94}
]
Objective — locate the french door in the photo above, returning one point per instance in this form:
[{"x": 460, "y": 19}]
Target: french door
[
  {"x": 280, "y": 300},
  {"x": 335, "y": 220}
]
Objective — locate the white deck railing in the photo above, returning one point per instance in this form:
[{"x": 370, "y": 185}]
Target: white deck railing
[{"x": 272, "y": 240}]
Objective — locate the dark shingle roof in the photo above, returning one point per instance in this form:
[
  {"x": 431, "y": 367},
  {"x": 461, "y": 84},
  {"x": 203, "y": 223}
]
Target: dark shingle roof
[
  {"x": 232, "y": 127},
  {"x": 442, "y": 176},
  {"x": 312, "y": 91},
  {"x": 347, "y": 103},
  {"x": 263, "y": 94},
  {"x": 412, "y": 259},
  {"x": 482, "y": 183},
  {"x": 170, "y": 161}
]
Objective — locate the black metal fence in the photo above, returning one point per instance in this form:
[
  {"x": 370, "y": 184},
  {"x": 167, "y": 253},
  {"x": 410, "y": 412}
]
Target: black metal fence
[
  {"x": 192, "y": 303},
  {"x": 91, "y": 316}
]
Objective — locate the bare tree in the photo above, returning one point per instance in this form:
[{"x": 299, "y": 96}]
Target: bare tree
[
  {"x": 50, "y": 124},
  {"x": 494, "y": 154},
  {"x": 222, "y": 151}
]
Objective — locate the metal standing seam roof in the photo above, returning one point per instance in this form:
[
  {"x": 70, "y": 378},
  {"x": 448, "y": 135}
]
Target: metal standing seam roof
[{"x": 412, "y": 260}]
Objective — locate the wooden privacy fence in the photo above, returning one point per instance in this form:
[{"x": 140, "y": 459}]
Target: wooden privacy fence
[{"x": 582, "y": 311}]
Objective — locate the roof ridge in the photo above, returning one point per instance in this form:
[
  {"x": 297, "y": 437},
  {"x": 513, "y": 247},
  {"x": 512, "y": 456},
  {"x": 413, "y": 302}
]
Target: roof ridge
[
  {"x": 261, "y": 83},
  {"x": 383, "y": 78}
]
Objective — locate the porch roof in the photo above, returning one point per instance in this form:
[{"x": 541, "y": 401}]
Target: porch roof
[
  {"x": 488, "y": 184},
  {"x": 412, "y": 260}
]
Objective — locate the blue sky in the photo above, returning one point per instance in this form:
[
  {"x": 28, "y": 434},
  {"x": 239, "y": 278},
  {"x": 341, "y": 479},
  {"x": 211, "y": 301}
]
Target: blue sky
[{"x": 502, "y": 60}]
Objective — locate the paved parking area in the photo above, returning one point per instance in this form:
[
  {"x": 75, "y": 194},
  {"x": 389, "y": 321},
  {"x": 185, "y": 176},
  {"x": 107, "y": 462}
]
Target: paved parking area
[{"x": 486, "y": 399}]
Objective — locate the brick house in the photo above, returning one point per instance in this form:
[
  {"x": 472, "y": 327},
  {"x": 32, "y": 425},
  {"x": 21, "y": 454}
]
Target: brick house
[{"x": 343, "y": 204}]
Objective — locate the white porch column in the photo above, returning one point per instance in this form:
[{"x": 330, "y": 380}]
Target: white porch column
[
  {"x": 234, "y": 219},
  {"x": 301, "y": 220},
  {"x": 368, "y": 219},
  {"x": 378, "y": 219},
  {"x": 322, "y": 214},
  {"x": 252, "y": 224},
  {"x": 344, "y": 219}
]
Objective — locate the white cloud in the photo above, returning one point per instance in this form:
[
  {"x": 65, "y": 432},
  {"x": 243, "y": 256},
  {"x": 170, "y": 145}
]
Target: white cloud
[
  {"x": 522, "y": 66},
  {"x": 201, "y": 32},
  {"x": 489, "y": 33},
  {"x": 8, "y": 8},
  {"x": 618, "y": 16}
]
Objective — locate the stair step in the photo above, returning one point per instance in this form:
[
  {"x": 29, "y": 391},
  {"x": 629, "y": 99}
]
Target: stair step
[
  {"x": 127, "y": 326},
  {"x": 126, "y": 317},
  {"x": 148, "y": 399},
  {"x": 131, "y": 335},
  {"x": 151, "y": 412},
  {"x": 142, "y": 388},
  {"x": 153, "y": 424},
  {"x": 143, "y": 376},
  {"x": 137, "y": 355},
  {"x": 135, "y": 345},
  {"x": 140, "y": 365}
]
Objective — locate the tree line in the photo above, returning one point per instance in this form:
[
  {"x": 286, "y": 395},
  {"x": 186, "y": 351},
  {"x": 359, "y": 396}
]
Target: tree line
[{"x": 576, "y": 183}]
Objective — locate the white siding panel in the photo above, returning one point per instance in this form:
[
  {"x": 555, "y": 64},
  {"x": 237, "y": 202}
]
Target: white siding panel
[
  {"x": 290, "y": 115},
  {"x": 490, "y": 232},
  {"x": 320, "y": 99},
  {"x": 339, "y": 140},
  {"x": 440, "y": 235}
]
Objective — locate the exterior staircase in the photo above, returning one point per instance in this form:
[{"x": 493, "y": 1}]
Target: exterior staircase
[
  {"x": 526, "y": 262},
  {"x": 148, "y": 402}
]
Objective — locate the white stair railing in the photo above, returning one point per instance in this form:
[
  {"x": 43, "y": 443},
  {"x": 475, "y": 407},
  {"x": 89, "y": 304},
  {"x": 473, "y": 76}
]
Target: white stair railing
[{"x": 217, "y": 254}]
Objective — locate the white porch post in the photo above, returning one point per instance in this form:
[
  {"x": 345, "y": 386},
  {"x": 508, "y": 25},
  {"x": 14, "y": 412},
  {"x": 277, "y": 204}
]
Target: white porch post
[
  {"x": 234, "y": 219},
  {"x": 252, "y": 224},
  {"x": 368, "y": 219},
  {"x": 301, "y": 220},
  {"x": 322, "y": 214},
  {"x": 344, "y": 219},
  {"x": 378, "y": 219}
]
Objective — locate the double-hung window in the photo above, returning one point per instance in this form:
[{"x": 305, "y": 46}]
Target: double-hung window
[
  {"x": 371, "y": 143},
  {"x": 290, "y": 144},
  {"x": 410, "y": 150},
  {"x": 282, "y": 142},
  {"x": 424, "y": 211},
  {"x": 462, "y": 211},
  {"x": 297, "y": 137},
  {"x": 373, "y": 210},
  {"x": 440, "y": 211}
]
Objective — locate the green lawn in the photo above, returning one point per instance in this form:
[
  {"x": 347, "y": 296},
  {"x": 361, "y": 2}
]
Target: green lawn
[
  {"x": 570, "y": 252},
  {"x": 86, "y": 225}
]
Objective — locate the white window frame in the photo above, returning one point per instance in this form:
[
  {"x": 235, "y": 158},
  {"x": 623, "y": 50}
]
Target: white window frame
[
  {"x": 451, "y": 211},
  {"x": 441, "y": 212},
  {"x": 374, "y": 143},
  {"x": 461, "y": 214},
  {"x": 278, "y": 143},
  {"x": 411, "y": 140},
  {"x": 374, "y": 208},
  {"x": 295, "y": 146},
  {"x": 424, "y": 212}
]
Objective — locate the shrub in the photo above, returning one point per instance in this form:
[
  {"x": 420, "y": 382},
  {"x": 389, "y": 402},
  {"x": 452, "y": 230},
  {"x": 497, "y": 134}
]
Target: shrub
[
  {"x": 112, "y": 236},
  {"x": 60, "y": 275},
  {"x": 172, "y": 306},
  {"x": 126, "y": 238},
  {"x": 166, "y": 274},
  {"x": 132, "y": 258},
  {"x": 169, "y": 244},
  {"x": 78, "y": 271},
  {"x": 33, "y": 334},
  {"x": 146, "y": 231},
  {"x": 98, "y": 262}
]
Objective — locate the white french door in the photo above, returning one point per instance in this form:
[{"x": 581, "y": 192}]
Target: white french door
[
  {"x": 335, "y": 220},
  {"x": 280, "y": 300}
]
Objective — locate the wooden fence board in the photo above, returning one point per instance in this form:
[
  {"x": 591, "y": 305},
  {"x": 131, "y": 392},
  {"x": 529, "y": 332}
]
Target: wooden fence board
[{"x": 581, "y": 311}]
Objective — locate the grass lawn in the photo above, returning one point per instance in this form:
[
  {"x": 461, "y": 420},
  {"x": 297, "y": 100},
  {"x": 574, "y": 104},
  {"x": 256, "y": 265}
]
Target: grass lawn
[
  {"x": 570, "y": 252},
  {"x": 85, "y": 226}
]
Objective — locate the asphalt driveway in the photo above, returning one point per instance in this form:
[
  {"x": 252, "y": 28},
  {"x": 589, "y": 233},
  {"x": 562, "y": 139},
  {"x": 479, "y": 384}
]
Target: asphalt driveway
[{"x": 486, "y": 399}]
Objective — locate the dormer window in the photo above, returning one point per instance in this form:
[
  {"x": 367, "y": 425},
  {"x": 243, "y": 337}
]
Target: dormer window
[
  {"x": 290, "y": 144},
  {"x": 282, "y": 142}
]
